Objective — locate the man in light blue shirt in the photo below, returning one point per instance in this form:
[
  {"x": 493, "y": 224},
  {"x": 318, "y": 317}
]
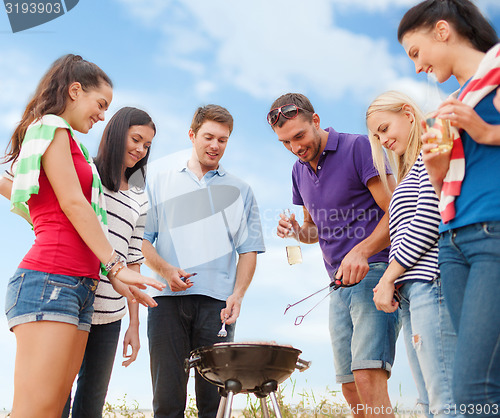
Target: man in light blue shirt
[{"x": 202, "y": 220}]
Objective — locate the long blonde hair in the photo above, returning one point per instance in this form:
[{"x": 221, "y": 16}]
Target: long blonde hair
[{"x": 394, "y": 101}]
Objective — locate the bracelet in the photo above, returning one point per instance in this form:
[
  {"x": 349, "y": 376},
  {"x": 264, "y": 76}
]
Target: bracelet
[
  {"x": 122, "y": 265},
  {"x": 111, "y": 263}
]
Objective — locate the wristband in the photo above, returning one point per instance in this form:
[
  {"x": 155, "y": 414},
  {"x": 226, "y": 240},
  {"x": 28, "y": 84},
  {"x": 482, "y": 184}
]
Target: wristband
[
  {"x": 122, "y": 265},
  {"x": 111, "y": 263}
]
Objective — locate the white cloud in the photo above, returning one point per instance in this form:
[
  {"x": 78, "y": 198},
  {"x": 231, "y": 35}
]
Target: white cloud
[
  {"x": 146, "y": 10},
  {"x": 383, "y": 5},
  {"x": 171, "y": 122},
  {"x": 267, "y": 48},
  {"x": 205, "y": 88},
  {"x": 272, "y": 47},
  {"x": 373, "y": 5},
  {"x": 427, "y": 95}
]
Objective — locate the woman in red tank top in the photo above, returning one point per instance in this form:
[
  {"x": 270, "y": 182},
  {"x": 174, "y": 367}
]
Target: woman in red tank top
[{"x": 49, "y": 298}]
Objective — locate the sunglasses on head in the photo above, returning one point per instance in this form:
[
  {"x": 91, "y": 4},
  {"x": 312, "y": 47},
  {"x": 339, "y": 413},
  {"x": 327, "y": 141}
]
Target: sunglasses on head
[{"x": 289, "y": 111}]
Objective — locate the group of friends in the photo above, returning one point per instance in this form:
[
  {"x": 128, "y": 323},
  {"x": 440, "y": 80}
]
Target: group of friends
[{"x": 419, "y": 230}]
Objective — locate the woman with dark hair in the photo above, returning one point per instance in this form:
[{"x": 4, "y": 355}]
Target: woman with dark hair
[
  {"x": 452, "y": 38},
  {"x": 121, "y": 161},
  {"x": 49, "y": 302}
]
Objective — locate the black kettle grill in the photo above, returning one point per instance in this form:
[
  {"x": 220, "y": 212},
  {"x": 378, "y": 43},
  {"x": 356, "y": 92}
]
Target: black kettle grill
[{"x": 256, "y": 368}]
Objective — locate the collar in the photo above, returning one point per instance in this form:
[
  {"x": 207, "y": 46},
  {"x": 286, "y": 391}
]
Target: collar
[
  {"x": 333, "y": 140},
  {"x": 220, "y": 171}
]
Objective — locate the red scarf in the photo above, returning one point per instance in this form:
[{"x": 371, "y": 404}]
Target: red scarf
[{"x": 485, "y": 80}]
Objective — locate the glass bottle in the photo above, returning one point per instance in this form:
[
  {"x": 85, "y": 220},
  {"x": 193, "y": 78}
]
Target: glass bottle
[{"x": 293, "y": 251}]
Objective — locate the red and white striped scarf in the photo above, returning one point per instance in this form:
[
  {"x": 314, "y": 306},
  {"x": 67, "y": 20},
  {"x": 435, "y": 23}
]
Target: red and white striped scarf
[{"x": 485, "y": 80}]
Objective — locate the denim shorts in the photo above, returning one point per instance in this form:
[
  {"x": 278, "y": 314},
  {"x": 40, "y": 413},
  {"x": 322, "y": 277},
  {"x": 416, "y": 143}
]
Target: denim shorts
[
  {"x": 362, "y": 336},
  {"x": 36, "y": 296}
]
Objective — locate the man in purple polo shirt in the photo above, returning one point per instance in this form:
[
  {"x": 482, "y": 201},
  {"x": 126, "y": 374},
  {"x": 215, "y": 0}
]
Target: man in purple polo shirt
[{"x": 345, "y": 205}]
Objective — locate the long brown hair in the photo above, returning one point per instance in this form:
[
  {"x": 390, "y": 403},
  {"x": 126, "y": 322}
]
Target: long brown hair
[
  {"x": 109, "y": 159},
  {"x": 51, "y": 94}
]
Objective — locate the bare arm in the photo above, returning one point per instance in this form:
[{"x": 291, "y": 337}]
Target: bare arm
[
  {"x": 60, "y": 170},
  {"x": 173, "y": 275},
  {"x": 354, "y": 266},
  {"x": 384, "y": 291},
  {"x": 436, "y": 163},
  {"x": 5, "y": 187},
  {"x": 132, "y": 335},
  {"x": 244, "y": 274}
]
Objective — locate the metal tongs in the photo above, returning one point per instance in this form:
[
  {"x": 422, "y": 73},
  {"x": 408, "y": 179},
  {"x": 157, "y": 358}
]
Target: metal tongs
[{"x": 334, "y": 285}]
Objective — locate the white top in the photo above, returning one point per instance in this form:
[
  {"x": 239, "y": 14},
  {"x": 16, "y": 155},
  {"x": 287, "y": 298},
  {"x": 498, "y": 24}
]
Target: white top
[{"x": 127, "y": 211}]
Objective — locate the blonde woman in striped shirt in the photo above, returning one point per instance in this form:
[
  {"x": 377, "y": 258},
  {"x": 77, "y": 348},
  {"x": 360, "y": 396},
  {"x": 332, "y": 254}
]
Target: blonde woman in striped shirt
[{"x": 394, "y": 123}]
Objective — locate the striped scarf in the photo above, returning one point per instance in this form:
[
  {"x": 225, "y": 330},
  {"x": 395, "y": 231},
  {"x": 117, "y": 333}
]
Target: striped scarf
[
  {"x": 27, "y": 168},
  {"x": 485, "y": 80}
]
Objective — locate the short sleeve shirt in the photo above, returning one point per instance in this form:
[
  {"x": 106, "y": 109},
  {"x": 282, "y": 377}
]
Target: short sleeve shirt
[
  {"x": 337, "y": 196},
  {"x": 201, "y": 226}
]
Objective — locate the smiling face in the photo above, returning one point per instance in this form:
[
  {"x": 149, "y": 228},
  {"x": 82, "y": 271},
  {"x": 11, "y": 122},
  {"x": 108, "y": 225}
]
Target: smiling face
[
  {"x": 139, "y": 138},
  {"x": 392, "y": 129},
  {"x": 302, "y": 138},
  {"x": 209, "y": 144},
  {"x": 428, "y": 49},
  {"x": 85, "y": 108}
]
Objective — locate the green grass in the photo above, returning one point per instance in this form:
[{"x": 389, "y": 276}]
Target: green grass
[
  {"x": 309, "y": 405},
  {"x": 122, "y": 409},
  {"x": 305, "y": 404}
]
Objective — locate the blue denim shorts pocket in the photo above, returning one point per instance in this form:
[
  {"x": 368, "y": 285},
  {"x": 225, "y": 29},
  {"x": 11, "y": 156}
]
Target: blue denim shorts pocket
[
  {"x": 13, "y": 290},
  {"x": 37, "y": 296},
  {"x": 64, "y": 281}
]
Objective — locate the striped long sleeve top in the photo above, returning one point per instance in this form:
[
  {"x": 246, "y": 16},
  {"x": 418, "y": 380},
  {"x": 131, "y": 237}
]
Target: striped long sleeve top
[
  {"x": 127, "y": 211},
  {"x": 414, "y": 225}
]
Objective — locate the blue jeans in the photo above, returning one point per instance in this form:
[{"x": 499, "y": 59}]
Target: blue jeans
[
  {"x": 178, "y": 325},
  {"x": 469, "y": 259},
  {"x": 362, "y": 336},
  {"x": 95, "y": 372},
  {"x": 430, "y": 344}
]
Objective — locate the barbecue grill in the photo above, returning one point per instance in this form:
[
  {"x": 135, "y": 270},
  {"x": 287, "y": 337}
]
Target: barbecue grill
[{"x": 256, "y": 368}]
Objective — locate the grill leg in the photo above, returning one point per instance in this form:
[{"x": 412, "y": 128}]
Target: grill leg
[
  {"x": 276, "y": 407},
  {"x": 222, "y": 407},
  {"x": 230, "y": 388},
  {"x": 263, "y": 407},
  {"x": 228, "y": 405}
]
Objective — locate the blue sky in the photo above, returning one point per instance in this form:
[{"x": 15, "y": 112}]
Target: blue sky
[{"x": 168, "y": 57}]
